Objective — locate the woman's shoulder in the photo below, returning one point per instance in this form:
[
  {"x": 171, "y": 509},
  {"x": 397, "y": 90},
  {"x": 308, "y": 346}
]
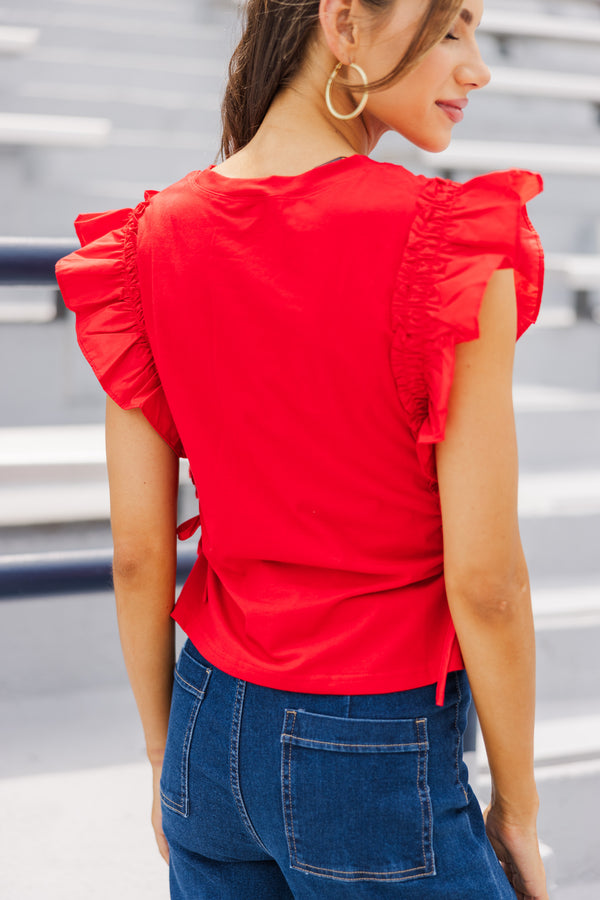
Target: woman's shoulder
[
  {"x": 481, "y": 204},
  {"x": 169, "y": 202}
]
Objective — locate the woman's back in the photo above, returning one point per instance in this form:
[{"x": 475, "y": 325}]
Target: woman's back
[{"x": 302, "y": 330}]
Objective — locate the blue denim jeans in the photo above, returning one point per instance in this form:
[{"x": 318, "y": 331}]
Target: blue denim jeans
[{"x": 271, "y": 795}]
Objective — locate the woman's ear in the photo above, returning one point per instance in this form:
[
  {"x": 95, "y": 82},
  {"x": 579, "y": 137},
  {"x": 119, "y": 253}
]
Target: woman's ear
[{"x": 340, "y": 27}]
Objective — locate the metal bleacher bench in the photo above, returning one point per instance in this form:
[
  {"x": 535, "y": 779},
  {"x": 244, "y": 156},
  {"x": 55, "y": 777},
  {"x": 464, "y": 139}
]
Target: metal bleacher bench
[
  {"x": 581, "y": 273},
  {"x": 19, "y": 129},
  {"x": 15, "y": 41},
  {"x": 535, "y": 83},
  {"x": 483, "y": 156},
  {"x": 504, "y": 24},
  {"x": 55, "y": 473}
]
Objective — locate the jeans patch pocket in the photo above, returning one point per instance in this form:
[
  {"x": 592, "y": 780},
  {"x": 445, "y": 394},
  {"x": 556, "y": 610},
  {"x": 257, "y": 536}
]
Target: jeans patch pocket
[
  {"x": 356, "y": 797},
  {"x": 189, "y": 688}
]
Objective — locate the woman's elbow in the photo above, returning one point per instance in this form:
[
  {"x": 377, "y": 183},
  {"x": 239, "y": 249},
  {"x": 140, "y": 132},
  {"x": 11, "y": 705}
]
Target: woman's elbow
[
  {"x": 138, "y": 562},
  {"x": 489, "y": 595},
  {"x": 126, "y": 566}
]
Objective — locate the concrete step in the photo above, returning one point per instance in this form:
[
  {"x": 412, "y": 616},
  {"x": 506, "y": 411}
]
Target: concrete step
[
  {"x": 559, "y": 493},
  {"x": 75, "y": 180},
  {"x": 136, "y": 108},
  {"x": 582, "y": 890},
  {"x": 560, "y": 357},
  {"x": 567, "y": 821},
  {"x": 561, "y": 546},
  {"x": 56, "y": 475},
  {"x": 567, "y": 622},
  {"x": 185, "y": 11},
  {"x": 102, "y": 815},
  {"x": 567, "y": 769},
  {"x": 558, "y": 429},
  {"x": 108, "y": 64},
  {"x": 101, "y": 74},
  {"x": 108, "y": 100},
  {"x": 16, "y": 41},
  {"x": 122, "y": 28},
  {"x": 38, "y": 130}
]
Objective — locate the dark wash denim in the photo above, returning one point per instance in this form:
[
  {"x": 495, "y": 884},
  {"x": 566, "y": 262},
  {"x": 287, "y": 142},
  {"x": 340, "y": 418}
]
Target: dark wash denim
[{"x": 270, "y": 795}]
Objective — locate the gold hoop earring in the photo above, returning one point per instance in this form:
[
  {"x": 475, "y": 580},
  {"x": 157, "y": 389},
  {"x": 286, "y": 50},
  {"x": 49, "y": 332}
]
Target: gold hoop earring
[{"x": 363, "y": 100}]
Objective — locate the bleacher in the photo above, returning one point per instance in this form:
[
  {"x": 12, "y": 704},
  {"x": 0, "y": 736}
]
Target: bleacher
[
  {"x": 15, "y": 41},
  {"x": 102, "y": 99}
]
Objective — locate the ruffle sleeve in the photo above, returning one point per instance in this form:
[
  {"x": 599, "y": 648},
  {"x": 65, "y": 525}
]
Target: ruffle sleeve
[
  {"x": 460, "y": 235},
  {"x": 100, "y": 284}
]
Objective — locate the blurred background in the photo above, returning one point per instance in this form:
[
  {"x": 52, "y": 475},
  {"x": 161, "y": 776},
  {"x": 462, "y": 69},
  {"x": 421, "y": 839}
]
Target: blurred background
[{"x": 99, "y": 101}]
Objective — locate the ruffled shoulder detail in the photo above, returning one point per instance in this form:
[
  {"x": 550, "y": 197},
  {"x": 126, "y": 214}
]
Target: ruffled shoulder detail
[
  {"x": 460, "y": 235},
  {"x": 100, "y": 284}
]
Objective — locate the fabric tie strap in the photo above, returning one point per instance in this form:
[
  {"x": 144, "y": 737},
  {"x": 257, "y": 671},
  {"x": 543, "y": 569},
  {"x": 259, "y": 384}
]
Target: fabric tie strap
[
  {"x": 444, "y": 664},
  {"x": 188, "y": 528}
]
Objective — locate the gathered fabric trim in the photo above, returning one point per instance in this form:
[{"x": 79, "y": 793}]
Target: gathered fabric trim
[
  {"x": 416, "y": 302},
  {"x": 131, "y": 284},
  {"x": 100, "y": 283},
  {"x": 461, "y": 234},
  {"x": 131, "y": 293}
]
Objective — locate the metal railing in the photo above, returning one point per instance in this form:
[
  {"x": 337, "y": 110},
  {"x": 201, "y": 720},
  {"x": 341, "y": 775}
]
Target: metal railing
[
  {"x": 31, "y": 261},
  {"x": 27, "y": 575}
]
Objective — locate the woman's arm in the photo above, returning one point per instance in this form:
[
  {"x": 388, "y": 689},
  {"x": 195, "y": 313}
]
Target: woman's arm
[
  {"x": 486, "y": 577},
  {"x": 143, "y": 475}
]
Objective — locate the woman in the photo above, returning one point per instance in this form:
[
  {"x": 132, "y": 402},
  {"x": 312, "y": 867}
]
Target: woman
[{"x": 331, "y": 339}]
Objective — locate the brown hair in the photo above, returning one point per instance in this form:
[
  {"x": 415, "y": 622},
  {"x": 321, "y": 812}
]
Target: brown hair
[{"x": 272, "y": 49}]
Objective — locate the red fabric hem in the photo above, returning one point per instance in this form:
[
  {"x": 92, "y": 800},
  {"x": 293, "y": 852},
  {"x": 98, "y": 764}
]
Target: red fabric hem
[{"x": 355, "y": 683}]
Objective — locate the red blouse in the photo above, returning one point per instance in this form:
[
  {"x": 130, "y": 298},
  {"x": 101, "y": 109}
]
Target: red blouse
[{"x": 296, "y": 335}]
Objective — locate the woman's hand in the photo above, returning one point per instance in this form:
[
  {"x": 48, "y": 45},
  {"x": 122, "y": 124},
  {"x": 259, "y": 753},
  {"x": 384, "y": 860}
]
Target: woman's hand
[
  {"x": 161, "y": 840},
  {"x": 517, "y": 848}
]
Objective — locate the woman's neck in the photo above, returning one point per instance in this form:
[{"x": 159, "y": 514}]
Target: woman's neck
[{"x": 296, "y": 136}]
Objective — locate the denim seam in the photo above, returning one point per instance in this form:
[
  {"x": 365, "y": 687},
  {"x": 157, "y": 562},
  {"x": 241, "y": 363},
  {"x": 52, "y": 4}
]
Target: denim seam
[
  {"x": 182, "y": 806},
  {"x": 198, "y": 692},
  {"x": 288, "y": 738},
  {"x": 419, "y": 776},
  {"x": 423, "y": 791},
  {"x": 458, "y": 702},
  {"x": 287, "y": 784},
  {"x": 418, "y": 871},
  {"x": 234, "y": 773}
]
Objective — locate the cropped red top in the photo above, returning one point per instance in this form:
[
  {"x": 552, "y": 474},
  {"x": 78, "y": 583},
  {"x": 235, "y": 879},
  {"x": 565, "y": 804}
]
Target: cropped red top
[{"x": 296, "y": 335}]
